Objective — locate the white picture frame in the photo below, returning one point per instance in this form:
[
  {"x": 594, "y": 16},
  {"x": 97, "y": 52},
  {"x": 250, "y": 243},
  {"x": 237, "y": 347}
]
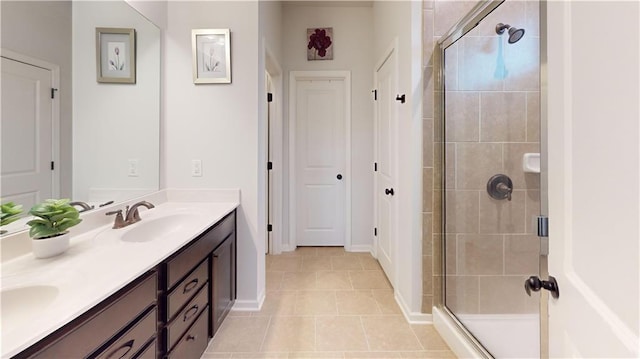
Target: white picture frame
[{"x": 211, "y": 56}]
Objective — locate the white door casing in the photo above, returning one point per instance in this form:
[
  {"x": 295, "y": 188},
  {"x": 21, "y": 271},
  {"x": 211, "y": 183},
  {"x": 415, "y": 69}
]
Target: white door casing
[
  {"x": 319, "y": 128},
  {"x": 29, "y": 130},
  {"x": 385, "y": 156},
  {"x": 594, "y": 178}
]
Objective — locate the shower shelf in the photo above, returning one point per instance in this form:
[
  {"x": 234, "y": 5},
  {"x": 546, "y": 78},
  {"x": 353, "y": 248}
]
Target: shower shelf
[{"x": 531, "y": 163}]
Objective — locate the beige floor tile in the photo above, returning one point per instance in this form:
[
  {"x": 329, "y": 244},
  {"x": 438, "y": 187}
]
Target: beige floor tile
[
  {"x": 386, "y": 301},
  {"x": 285, "y": 263},
  {"x": 273, "y": 280},
  {"x": 340, "y": 333},
  {"x": 306, "y": 251},
  {"x": 429, "y": 337},
  {"x": 312, "y": 264},
  {"x": 240, "y": 313},
  {"x": 333, "y": 280},
  {"x": 357, "y": 302},
  {"x": 429, "y": 354},
  {"x": 215, "y": 356},
  {"x": 316, "y": 355},
  {"x": 330, "y": 251},
  {"x": 369, "y": 280},
  {"x": 290, "y": 334},
  {"x": 239, "y": 334},
  {"x": 389, "y": 333},
  {"x": 369, "y": 263},
  {"x": 260, "y": 356},
  {"x": 299, "y": 281},
  {"x": 315, "y": 303},
  {"x": 371, "y": 355},
  {"x": 278, "y": 303},
  {"x": 346, "y": 263}
]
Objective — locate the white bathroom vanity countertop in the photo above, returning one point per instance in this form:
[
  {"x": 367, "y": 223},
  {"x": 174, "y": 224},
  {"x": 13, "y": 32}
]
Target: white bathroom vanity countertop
[{"x": 98, "y": 263}]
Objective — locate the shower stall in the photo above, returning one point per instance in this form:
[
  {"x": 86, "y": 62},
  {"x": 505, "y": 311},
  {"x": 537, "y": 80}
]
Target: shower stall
[{"x": 487, "y": 107}]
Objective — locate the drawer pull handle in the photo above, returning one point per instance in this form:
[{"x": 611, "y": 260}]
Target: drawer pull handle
[
  {"x": 117, "y": 352},
  {"x": 190, "y": 313},
  {"x": 189, "y": 286},
  {"x": 191, "y": 337}
]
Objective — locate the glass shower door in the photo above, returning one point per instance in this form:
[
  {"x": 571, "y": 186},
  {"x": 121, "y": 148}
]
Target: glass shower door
[{"x": 491, "y": 125}]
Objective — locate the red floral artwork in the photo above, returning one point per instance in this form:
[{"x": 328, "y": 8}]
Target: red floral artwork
[{"x": 320, "y": 44}]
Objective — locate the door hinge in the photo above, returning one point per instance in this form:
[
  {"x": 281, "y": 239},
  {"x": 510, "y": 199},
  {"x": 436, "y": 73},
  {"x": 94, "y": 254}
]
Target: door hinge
[
  {"x": 375, "y": 95},
  {"x": 269, "y": 228},
  {"x": 269, "y": 97},
  {"x": 543, "y": 226},
  {"x": 53, "y": 165},
  {"x": 375, "y": 231},
  {"x": 269, "y": 166},
  {"x": 375, "y": 166},
  {"x": 53, "y": 92}
]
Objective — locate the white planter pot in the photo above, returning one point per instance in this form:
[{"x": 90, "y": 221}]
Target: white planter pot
[{"x": 50, "y": 247}]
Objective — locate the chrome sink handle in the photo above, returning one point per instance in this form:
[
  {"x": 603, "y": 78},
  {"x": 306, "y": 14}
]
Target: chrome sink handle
[{"x": 132, "y": 213}]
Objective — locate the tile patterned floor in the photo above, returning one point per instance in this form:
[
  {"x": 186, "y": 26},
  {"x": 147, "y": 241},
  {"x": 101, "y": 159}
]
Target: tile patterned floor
[{"x": 323, "y": 302}]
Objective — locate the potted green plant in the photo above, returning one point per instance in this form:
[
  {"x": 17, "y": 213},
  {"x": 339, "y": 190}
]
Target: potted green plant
[
  {"x": 10, "y": 213},
  {"x": 49, "y": 230}
]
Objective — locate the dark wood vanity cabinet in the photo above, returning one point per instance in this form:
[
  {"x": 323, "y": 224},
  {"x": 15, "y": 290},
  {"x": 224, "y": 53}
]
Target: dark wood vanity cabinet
[
  {"x": 169, "y": 312},
  {"x": 122, "y": 326},
  {"x": 198, "y": 289}
]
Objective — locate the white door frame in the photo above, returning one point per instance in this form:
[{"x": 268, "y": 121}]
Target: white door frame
[
  {"x": 391, "y": 51},
  {"x": 55, "y": 111},
  {"x": 276, "y": 141},
  {"x": 294, "y": 77}
]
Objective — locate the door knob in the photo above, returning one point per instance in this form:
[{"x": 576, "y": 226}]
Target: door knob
[
  {"x": 388, "y": 191},
  {"x": 339, "y": 176},
  {"x": 535, "y": 284}
]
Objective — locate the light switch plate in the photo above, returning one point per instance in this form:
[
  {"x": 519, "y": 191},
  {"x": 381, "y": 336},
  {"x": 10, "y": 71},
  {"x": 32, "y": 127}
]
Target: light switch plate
[
  {"x": 132, "y": 170},
  {"x": 196, "y": 168}
]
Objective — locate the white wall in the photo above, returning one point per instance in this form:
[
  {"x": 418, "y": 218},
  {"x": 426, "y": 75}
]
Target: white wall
[
  {"x": 217, "y": 123},
  {"x": 42, "y": 30},
  {"x": 402, "y": 20},
  {"x": 353, "y": 51},
  {"x": 114, "y": 122}
]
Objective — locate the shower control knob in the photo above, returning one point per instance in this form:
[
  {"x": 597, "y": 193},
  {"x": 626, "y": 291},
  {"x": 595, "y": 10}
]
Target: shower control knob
[{"x": 535, "y": 284}]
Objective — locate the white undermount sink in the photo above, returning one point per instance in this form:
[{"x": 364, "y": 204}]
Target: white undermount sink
[
  {"x": 21, "y": 304},
  {"x": 158, "y": 228}
]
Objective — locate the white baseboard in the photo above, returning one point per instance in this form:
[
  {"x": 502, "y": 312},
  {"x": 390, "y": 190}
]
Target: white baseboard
[
  {"x": 249, "y": 305},
  {"x": 452, "y": 336},
  {"x": 412, "y": 317},
  {"x": 365, "y": 248}
]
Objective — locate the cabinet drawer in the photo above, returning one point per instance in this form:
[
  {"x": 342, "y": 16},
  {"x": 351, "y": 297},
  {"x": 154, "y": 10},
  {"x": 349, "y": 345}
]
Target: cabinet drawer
[
  {"x": 182, "y": 263},
  {"x": 133, "y": 339},
  {"x": 149, "y": 352},
  {"x": 102, "y": 323},
  {"x": 186, "y": 289},
  {"x": 195, "y": 341},
  {"x": 186, "y": 317}
]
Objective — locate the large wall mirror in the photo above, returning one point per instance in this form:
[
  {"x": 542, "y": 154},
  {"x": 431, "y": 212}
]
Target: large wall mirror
[{"x": 103, "y": 138}]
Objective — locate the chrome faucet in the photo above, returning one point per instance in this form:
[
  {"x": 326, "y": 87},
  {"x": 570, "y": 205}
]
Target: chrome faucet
[
  {"x": 132, "y": 216},
  {"x": 83, "y": 205}
]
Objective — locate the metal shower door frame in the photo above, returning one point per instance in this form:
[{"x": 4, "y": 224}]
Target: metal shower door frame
[{"x": 462, "y": 27}]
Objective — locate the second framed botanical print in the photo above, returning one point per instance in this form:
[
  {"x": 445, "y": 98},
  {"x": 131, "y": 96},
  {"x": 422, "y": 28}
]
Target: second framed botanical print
[{"x": 211, "y": 56}]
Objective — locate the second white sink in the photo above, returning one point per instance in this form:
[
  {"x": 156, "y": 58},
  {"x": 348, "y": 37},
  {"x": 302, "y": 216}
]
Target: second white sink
[{"x": 158, "y": 228}]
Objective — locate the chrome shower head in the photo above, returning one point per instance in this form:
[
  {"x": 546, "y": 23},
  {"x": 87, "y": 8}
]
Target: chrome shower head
[{"x": 515, "y": 34}]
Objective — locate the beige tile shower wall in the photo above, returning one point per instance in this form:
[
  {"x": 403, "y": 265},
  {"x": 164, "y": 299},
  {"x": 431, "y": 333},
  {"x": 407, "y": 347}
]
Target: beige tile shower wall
[{"x": 492, "y": 120}]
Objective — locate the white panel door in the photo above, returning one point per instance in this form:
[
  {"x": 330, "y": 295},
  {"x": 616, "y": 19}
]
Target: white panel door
[
  {"x": 594, "y": 178},
  {"x": 385, "y": 157},
  {"x": 26, "y": 126},
  {"x": 320, "y": 162}
]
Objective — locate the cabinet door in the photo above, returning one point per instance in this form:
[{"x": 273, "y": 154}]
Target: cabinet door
[{"x": 223, "y": 283}]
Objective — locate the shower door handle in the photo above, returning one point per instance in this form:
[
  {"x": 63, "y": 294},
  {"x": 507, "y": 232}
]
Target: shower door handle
[{"x": 535, "y": 284}]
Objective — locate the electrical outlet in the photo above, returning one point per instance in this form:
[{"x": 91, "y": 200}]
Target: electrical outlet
[
  {"x": 133, "y": 168},
  {"x": 196, "y": 168}
]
